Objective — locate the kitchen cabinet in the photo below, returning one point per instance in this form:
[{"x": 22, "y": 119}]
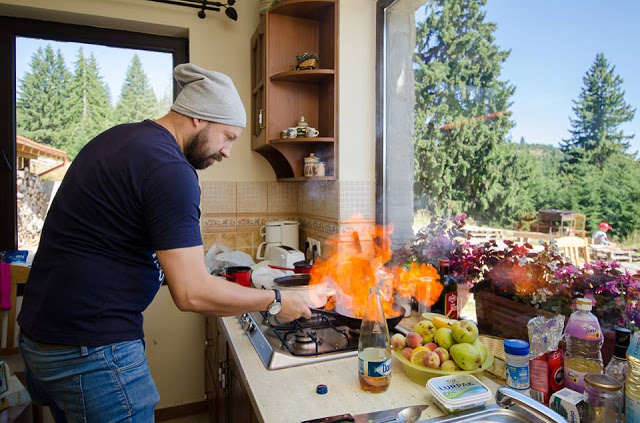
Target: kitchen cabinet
[
  {"x": 227, "y": 397},
  {"x": 281, "y": 95}
]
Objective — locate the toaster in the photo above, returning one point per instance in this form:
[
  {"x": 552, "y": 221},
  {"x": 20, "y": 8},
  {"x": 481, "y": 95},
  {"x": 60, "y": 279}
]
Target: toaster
[{"x": 283, "y": 256}]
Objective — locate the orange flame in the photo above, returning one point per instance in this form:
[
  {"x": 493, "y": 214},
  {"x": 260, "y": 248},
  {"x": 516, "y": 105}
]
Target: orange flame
[{"x": 356, "y": 263}]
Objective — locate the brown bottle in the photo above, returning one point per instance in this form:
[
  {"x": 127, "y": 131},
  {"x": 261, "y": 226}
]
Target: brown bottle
[{"x": 447, "y": 304}]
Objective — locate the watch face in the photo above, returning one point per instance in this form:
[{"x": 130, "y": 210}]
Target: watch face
[{"x": 275, "y": 308}]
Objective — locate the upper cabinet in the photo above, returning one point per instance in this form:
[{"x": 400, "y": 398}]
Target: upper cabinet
[{"x": 281, "y": 94}]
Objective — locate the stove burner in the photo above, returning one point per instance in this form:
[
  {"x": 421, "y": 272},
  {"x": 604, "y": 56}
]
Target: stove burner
[{"x": 304, "y": 337}]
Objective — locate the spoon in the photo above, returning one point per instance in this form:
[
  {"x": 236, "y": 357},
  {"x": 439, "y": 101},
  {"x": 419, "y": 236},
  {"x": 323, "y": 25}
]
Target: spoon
[{"x": 410, "y": 414}]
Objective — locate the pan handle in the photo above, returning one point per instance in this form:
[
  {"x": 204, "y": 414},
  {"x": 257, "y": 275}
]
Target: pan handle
[{"x": 273, "y": 266}]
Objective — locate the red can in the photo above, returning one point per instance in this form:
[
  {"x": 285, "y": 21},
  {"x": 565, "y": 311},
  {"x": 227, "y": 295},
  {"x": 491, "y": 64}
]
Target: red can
[{"x": 547, "y": 375}]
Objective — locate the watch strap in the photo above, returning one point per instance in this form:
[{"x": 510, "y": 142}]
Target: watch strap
[{"x": 278, "y": 297}]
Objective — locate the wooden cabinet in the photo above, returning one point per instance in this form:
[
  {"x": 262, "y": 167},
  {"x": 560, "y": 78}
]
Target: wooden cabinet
[
  {"x": 280, "y": 95},
  {"x": 227, "y": 397}
]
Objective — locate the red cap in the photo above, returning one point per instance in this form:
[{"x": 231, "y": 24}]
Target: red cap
[{"x": 605, "y": 225}]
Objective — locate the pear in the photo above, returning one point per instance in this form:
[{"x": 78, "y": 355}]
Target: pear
[
  {"x": 426, "y": 329},
  {"x": 464, "y": 331},
  {"x": 466, "y": 356},
  {"x": 444, "y": 338},
  {"x": 482, "y": 348}
]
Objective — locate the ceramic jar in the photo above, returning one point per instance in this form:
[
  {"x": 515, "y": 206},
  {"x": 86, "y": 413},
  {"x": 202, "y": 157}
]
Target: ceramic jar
[{"x": 310, "y": 165}]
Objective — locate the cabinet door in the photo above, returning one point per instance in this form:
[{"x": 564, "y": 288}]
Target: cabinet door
[
  {"x": 211, "y": 380},
  {"x": 240, "y": 408},
  {"x": 222, "y": 384},
  {"x": 258, "y": 94}
]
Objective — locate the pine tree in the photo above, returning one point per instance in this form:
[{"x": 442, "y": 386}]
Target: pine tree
[
  {"x": 461, "y": 128},
  {"x": 40, "y": 110},
  {"x": 137, "y": 100},
  {"x": 88, "y": 104},
  {"x": 599, "y": 112}
]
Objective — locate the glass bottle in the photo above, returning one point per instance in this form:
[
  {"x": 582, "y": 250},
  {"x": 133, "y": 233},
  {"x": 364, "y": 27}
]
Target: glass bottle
[
  {"x": 448, "y": 302},
  {"x": 618, "y": 366},
  {"x": 583, "y": 341},
  {"x": 632, "y": 385},
  {"x": 374, "y": 347}
]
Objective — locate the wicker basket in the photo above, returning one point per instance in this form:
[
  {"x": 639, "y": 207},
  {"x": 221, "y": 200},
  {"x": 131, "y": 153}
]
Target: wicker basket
[
  {"x": 496, "y": 346},
  {"x": 307, "y": 64}
]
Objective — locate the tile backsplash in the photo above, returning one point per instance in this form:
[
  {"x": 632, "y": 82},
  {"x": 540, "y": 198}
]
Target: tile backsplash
[{"x": 233, "y": 212}]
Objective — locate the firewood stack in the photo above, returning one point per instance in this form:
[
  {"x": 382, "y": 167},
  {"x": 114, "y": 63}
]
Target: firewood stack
[{"x": 32, "y": 208}]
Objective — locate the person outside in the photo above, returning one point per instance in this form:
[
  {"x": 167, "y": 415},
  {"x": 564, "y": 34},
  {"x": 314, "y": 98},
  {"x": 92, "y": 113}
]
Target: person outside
[
  {"x": 600, "y": 235},
  {"x": 125, "y": 219}
]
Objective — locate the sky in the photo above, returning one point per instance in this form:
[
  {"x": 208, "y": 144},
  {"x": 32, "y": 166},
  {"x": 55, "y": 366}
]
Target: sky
[
  {"x": 113, "y": 62},
  {"x": 553, "y": 44}
]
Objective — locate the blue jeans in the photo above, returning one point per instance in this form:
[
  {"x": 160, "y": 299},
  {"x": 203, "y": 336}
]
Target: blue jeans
[{"x": 111, "y": 383}]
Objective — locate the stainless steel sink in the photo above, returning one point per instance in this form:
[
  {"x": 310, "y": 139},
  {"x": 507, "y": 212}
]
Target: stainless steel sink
[{"x": 511, "y": 407}]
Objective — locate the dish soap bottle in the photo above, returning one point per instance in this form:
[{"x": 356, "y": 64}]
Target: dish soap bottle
[
  {"x": 583, "y": 339},
  {"x": 374, "y": 347}
]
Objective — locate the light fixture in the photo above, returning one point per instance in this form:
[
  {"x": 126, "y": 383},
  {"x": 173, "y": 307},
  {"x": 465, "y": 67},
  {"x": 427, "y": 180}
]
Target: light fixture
[{"x": 206, "y": 5}]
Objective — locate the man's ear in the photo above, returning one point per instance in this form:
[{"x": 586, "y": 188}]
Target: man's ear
[{"x": 197, "y": 123}]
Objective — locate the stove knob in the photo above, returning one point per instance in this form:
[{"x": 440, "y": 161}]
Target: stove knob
[{"x": 251, "y": 327}]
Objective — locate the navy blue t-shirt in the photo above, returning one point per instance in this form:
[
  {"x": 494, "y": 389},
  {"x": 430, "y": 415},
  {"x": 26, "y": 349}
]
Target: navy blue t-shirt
[{"x": 128, "y": 193}]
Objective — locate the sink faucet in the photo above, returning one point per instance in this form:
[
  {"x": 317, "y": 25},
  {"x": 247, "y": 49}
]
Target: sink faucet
[{"x": 507, "y": 397}]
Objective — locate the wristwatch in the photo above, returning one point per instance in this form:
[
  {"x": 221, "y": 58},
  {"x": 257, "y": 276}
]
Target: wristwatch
[{"x": 276, "y": 305}]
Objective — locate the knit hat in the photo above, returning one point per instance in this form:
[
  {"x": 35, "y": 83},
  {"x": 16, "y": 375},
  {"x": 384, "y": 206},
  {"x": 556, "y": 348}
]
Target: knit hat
[
  {"x": 208, "y": 95},
  {"x": 605, "y": 226}
]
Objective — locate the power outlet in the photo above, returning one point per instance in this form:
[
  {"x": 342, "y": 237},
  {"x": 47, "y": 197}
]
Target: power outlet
[{"x": 315, "y": 243}]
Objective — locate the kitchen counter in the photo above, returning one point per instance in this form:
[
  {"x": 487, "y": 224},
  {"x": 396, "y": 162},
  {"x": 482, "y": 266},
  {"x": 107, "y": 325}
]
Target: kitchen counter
[{"x": 289, "y": 395}]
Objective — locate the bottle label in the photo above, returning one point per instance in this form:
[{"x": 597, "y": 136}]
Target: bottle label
[
  {"x": 632, "y": 409},
  {"x": 374, "y": 368},
  {"x": 574, "y": 379},
  {"x": 518, "y": 377},
  {"x": 451, "y": 305},
  {"x": 634, "y": 346}
]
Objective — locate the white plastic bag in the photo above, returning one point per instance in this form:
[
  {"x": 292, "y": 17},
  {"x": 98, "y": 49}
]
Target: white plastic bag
[{"x": 220, "y": 257}]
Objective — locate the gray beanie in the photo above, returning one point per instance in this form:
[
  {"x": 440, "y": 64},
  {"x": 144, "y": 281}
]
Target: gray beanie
[{"x": 208, "y": 95}]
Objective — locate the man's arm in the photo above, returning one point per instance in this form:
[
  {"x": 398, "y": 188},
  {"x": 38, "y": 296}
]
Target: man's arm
[{"x": 194, "y": 289}]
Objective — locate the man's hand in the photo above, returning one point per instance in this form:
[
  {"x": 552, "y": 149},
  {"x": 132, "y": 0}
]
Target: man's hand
[{"x": 293, "y": 307}]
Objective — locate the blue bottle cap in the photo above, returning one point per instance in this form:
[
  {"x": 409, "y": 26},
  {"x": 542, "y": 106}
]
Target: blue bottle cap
[
  {"x": 516, "y": 347},
  {"x": 322, "y": 389}
]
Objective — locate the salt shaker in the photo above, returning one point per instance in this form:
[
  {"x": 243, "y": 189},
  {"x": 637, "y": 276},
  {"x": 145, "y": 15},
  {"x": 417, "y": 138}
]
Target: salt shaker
[{"x": 603, "y": 395}]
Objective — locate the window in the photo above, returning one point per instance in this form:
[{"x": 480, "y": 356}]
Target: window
[
  {"x": 30, "y": 43},
  {"x": 503, "y": 111}
]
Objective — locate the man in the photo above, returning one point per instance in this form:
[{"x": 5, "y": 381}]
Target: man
[
  {"x": 127, "y": 215},
  {"x": 600, "y": 236}
]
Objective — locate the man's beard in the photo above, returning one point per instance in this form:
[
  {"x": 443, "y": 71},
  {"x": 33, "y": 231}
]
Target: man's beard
[{"x": 195, "y": 151}]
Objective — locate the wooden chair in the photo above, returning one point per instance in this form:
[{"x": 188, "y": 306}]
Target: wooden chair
[{"x": 575, "y": 249}]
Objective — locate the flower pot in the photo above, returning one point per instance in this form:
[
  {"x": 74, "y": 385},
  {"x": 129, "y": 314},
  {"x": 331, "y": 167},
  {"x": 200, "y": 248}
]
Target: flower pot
[{"x": 506, "y": 318}]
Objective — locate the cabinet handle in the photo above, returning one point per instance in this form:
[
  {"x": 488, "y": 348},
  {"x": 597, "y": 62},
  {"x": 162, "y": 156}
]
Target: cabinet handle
[{"x": 261, "y": 118}]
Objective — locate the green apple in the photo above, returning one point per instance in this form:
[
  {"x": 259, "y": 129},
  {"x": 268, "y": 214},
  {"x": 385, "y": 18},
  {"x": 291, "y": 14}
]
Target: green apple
[
  {"x": 426, "y": 329},
  {"x": 444, "y": 338},
  {"x": 464, "y": 332},
  {"x": 466, "y": 356}
]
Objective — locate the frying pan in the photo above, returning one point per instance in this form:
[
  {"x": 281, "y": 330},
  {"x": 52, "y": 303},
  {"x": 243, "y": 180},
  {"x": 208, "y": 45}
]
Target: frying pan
[
  {"x": 316, "y": 294},
  {"x": 346, "y": 318}
]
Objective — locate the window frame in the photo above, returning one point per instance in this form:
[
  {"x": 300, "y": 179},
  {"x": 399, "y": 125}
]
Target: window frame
[{"x": 12, "y": 28}]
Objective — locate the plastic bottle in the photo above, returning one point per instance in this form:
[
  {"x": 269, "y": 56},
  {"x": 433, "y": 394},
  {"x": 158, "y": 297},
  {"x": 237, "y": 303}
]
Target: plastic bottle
[
  {"x": 584, "y": 340},
  {"x": 374, "y": 347},
  {"x": 516, "y": 353},
  {"x": 632, "y": 385}
]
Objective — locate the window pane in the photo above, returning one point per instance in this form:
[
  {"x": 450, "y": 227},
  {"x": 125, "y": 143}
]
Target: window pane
[
  {"x": 67, "y": 93},
  {"x": 506, "y": 110}
]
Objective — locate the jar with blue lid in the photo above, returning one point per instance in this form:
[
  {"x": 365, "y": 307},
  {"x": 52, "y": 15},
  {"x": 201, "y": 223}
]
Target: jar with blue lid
[{"x": 517, "y": 363}]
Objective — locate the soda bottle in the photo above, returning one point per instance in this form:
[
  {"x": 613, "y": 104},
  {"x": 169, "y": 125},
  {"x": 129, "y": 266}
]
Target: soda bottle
[
  {"x": 374, "y": 347},
  {"x": 448, "y": 302},
  {"x": 632, "y": 385},
  {"x": 583, "y": 339}
]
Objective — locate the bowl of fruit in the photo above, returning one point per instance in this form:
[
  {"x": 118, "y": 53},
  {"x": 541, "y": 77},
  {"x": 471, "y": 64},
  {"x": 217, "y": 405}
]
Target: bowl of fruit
[{"x": 439, "y": 346}]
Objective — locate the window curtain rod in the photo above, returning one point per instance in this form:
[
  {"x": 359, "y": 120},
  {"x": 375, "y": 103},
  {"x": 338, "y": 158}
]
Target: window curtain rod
[{"x": 203, "y": 5}]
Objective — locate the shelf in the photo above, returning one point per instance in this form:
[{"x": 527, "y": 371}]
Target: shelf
[
  {"x": 300, "y": 140},
  {"x": 311, "y": 75},
  {"x": 306, "y": 9},
  {"x": 304, "y": 179}
]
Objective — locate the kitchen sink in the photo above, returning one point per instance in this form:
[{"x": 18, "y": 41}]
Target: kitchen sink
[{"x": 511, "y": 407}]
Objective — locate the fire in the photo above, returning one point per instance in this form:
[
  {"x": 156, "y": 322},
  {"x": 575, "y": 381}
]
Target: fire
[{"x": 357, "y": 263}]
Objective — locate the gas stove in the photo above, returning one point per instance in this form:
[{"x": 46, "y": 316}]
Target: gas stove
[{"x": 303, "y": 341}]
